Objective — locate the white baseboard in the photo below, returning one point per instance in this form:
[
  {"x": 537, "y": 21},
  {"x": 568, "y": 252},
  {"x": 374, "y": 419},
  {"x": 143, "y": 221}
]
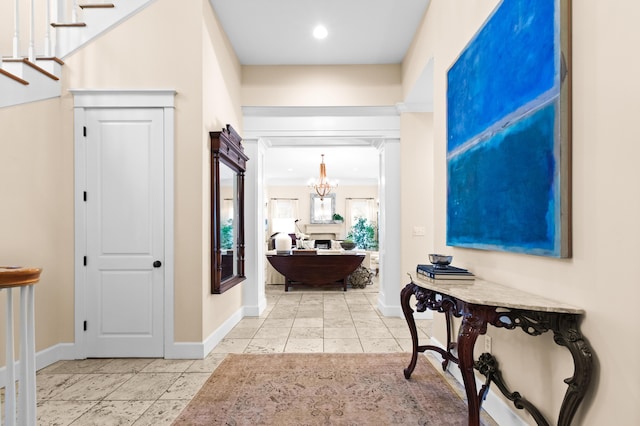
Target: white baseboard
[
  {"x": 396, "y": 311},
  {"x": 44, "y": 358},
  {"x": 496, "y": 407},
  {"x": 199, "y": 350}
]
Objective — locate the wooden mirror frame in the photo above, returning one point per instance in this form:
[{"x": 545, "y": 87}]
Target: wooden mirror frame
[{"x": 226, "y": 148}]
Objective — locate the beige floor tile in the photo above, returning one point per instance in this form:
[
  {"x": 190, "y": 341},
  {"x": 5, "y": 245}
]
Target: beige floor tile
[
  {"x": 342, "y": 346},
  {"x": 125, "y": 365},
  {"x": 368, "y": 323},
  {"x": 207, "y": 365},
  {"x": 231, "y": 346},
  {"x": 332, "y": 322},
  {"x": 76, "y": 367},
  {"x": 340, "y": 333},
  {"x": 186, "y": 386},
  {"x": 308, "y": 322},
  {"x": 266, "y": 346},
  {"x": 395, "y": 322},
  {"x": 404, "y": 333},
  {"x": 374, "y": 333},
  {"x": 310, "y": 313},
  {"x": 242, "y": 332},
  {"x": 278, "y": 322},
  {"x": 406, "y": 344},
  {"x": 93, "y": 387},
  {"x": 288, "y": 312},
  {"x": 144, "y": 387},
  {"x": 250, "y": 322},
  {"x": 306, "y": 333},
  {"x": 272, "y": 332},
  {"x": 50, "y": 385},
  {"x": 304, "y": 346},
  {"x": 168, "y": 366},
  {"x": 365, "y": 315},
  {"x": 59, "y": 413},
  {"x": 112, "y": 413},
  {"x": 161, "y": 413},
  {"x": 338, "y": 315},
  {"x": 289, "y": 299},
  {"x": 380, "y": 345}
]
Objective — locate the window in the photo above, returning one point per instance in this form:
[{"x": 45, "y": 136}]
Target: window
[
  {"x": 360, "y": 207},
  {"x": 284, "y": 212}
]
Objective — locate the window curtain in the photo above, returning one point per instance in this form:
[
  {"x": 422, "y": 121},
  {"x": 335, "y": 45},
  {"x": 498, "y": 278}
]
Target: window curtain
[
  {"x": 283, "y": 215},
  {"x": 359, "y": 207}
]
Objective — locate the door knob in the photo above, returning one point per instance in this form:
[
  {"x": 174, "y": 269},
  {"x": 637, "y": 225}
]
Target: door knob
[{"x": 157, "y": 264}]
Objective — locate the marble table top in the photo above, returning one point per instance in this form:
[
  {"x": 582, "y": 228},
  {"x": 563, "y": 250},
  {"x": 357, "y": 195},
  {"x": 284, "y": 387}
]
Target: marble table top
[{"x": 492, "y": 294}]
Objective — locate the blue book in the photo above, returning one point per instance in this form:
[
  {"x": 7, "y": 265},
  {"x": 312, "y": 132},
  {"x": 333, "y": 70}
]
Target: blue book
[{"x": 450, "y": 272}]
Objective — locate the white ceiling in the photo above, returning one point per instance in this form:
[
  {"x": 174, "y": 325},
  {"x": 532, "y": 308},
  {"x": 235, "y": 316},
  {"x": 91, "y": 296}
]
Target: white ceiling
[{"x": 279, "y": 32}]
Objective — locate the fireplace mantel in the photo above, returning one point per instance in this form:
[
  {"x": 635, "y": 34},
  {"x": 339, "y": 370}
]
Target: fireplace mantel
[{"x": 325, "y": 229}]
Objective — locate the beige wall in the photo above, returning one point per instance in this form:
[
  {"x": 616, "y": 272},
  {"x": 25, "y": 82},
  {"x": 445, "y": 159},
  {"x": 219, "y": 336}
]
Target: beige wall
[
  {"x": 221, "y": 106},
  {"x": 606, "y": 206},
  {"x": 326, "y": 85},
  {"x": 36, "y": 213},
  {"x": 416, "y": 190}
]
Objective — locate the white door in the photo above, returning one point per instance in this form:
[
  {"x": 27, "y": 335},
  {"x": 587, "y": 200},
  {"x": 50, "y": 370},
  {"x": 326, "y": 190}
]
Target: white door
[{"x": 125, "y": 233}]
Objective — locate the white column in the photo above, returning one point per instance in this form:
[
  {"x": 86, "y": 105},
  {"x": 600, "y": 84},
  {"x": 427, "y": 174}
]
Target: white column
[
  {"x": 32, "y": 33},
  {"x": 47, "y": 30},
  {"x": 10, "y": 388},
  {"x": 27, "y": 390},
  {"x": 253, "y": 289},
  {"x": 16, "y": 28},
  {"x": 74, "y": 12},
  {"x": 389, "y": 229}
]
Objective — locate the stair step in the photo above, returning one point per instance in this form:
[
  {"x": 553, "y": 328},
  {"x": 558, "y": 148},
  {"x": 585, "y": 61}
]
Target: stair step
[
  {"x": 97, "y": 6},
  {"x": 13, "y": 77},
  {"x": 71, "y": 25},
  {"x": 34, "y": 66}
]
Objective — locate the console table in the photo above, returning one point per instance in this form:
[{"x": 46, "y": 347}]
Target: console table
[
  {"x": 316, "y": 269},
  {"x": 25, "y": 279},
  {"x": 483, "y": 303}
]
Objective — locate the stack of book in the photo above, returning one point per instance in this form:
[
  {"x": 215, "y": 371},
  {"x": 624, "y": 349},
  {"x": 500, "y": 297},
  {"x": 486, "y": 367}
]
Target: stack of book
[{"x": 448, "y": 275}]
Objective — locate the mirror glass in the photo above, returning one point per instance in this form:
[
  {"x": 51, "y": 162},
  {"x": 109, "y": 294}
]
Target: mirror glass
[
  {"x": 227, "y": 219},
  {"x": 322, "y": 209}
]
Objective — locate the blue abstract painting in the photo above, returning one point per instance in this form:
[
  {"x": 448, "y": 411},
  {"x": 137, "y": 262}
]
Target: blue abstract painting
[{"x": 508, "y": 121}]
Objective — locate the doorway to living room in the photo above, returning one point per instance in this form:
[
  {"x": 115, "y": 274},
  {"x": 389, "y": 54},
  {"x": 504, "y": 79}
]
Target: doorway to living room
[{"x": 284, "y": 138}]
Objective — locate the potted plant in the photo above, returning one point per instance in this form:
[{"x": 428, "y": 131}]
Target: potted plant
[
  {"x": 347, "y": 244},
  {"x": 362, "y": 233},
  {"x": 337, "y": 218}
]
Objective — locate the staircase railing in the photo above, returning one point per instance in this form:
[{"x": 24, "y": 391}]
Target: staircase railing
[{"x": 44, "y": 33}]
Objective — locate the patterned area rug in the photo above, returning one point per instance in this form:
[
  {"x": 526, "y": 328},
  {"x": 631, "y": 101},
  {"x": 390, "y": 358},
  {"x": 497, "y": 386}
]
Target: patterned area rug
[{"x": 324, "y": 389}]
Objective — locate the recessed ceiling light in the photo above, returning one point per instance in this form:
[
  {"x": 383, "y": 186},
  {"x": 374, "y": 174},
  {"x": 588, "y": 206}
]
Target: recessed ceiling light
[{"x": 320, "y": 32}]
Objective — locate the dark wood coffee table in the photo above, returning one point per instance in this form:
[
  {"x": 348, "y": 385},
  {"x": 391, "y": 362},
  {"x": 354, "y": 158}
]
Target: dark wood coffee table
[{"x": 316, "y": 270}]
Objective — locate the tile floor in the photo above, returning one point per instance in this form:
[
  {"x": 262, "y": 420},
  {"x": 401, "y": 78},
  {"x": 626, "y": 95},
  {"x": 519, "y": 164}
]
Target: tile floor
[{"x": 154, "y": 391}]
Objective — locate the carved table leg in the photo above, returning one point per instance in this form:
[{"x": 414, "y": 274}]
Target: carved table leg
[
  {"x": 405, "y": 296},
  {"x": 473, "y": 324},
  {"x": 566, "y": 333}
]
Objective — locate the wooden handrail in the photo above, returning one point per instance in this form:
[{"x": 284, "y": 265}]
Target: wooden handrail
[
  {"x": 13, "y": 77},
  {"x": 17, "y": 276}
]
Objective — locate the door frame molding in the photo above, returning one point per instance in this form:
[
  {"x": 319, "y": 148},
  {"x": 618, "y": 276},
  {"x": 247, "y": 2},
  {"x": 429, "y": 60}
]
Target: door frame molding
[{"x": 85, "y": 99}]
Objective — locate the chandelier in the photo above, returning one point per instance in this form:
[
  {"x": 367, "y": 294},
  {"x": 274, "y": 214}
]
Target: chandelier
[{"x": 322, "y": 186}]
